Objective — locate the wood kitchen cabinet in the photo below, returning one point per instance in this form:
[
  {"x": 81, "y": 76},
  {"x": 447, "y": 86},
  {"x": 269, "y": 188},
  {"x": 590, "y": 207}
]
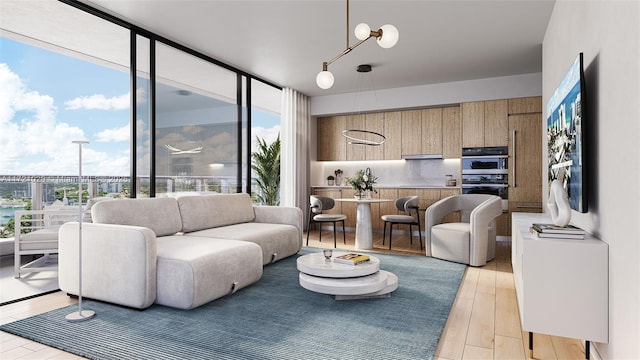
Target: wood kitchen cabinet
[
  {"x": 392, "y": 146},
  {"x": 374, "y": 122},
  {"x": 525, "y": 158},
  {"x": 431, "y": 126},
  {"x": 411, "y": 132},
  {"x": 370, "y": 122},
  {"x": 472, "y": 124},
  {"x": 496, "y": 123},
  {"x": 451, "y": 133},
  {"x": 525, "y": 105},
  {"x": 332, "y": 146},
  {"x": 485, "y": 123},
  {"x": 355, "y": 152}
]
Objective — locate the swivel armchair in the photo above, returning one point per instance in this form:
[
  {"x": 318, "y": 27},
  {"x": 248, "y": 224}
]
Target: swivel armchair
[{"x": 471, "y": 241}]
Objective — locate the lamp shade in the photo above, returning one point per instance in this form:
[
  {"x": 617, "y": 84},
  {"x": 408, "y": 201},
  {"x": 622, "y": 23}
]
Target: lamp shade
[
  {"x": 362, "y": 31},
  {"x": 389, "y": 37},
  {"x": 324, "y": 79}
]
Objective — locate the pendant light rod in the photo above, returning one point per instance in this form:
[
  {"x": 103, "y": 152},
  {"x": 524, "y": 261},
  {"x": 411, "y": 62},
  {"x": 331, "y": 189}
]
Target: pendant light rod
[{"x": 363, "y": 32}]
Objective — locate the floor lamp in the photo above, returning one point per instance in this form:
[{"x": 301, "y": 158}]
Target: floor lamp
[{"x": 80, "y": 315}]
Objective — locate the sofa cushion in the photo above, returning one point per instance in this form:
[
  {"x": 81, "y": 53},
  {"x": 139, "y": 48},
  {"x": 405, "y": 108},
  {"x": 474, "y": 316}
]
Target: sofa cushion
[
  {"x": 210, "y": 211},
  {"x": 279, "y": 239},
  {"x": 161, "y": 215},
  {"x": 86, "y": 214},
  {"x": 193, "y": 271}
]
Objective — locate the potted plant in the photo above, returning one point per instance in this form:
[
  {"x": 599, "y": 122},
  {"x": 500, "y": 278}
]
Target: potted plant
[
  {"x": 330, "y": 180},
  {"x": 266, "y": 164}
]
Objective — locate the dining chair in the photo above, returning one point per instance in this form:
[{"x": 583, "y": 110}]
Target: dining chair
[
  {"x": 319, "y": 204},
  {"x": 409, "y": 205}
]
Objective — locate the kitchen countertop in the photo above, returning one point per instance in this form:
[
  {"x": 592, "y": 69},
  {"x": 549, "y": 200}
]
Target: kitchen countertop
[{"x": 391, "y": 187}]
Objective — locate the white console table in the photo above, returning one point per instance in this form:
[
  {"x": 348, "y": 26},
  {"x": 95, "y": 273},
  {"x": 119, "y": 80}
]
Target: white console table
[{"x": 562, "y": 285}]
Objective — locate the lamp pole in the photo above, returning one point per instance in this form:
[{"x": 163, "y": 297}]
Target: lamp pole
[{"x": 80, "y": 315}]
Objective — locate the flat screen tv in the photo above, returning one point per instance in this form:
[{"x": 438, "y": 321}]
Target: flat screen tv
[{"x": 566, "y": 135}]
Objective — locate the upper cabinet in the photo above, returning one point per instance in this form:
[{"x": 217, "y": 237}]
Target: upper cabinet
[
  {"x": 451, "y": 133},
  {"x": 485, "y": 123},
  {"x": 355, "y": 122},
  {"x": 473, "y": 124},
  {"x": 431, "y": 131},
  {"x": 496, "y": 123},
  {"x": 374, "y": 122},
  {"x": 392, "y": 146},
  {"x": 332, "y": 146},
  {"x": 438, "y": 130},
  {"x": 525, "y": 105},
  {"x": 411, "y": 132}
]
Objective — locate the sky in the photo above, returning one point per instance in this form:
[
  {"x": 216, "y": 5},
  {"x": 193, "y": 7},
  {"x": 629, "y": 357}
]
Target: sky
[{"x": 48, "y": 100}]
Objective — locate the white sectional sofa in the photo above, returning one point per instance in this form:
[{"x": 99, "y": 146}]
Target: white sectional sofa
[{"x": 180, "y": 252}]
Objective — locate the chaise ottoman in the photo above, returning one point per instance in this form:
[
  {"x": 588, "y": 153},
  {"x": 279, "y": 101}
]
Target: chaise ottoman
[{"x": 192, "y": 271}]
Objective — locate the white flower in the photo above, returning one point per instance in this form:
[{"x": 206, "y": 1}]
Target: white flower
[{"x": 365, "y": 178}]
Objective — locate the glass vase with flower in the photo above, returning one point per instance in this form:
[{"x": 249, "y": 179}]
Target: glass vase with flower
[{"x": 362, "y": 182}]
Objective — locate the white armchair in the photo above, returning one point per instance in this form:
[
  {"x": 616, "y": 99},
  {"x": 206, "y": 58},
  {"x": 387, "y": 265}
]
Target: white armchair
[{"x": 471, "y": 241}]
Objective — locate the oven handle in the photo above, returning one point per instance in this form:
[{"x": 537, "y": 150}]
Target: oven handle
[
  {"x": 471, "y": 186},
  {"x": 515, "y": 153}
]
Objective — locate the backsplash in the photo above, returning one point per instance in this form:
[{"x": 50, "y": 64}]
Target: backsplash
[{"x": 390, "y": 173}]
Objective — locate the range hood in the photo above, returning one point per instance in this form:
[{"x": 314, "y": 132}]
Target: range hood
[{"x": 422, "y": 157}]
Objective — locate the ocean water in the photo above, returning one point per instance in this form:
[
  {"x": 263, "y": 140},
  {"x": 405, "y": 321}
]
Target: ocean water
[{"x": 7, "y": 213}]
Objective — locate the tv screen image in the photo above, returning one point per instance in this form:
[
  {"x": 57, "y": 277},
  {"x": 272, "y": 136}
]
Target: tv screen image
[{"x": 565, "y": 135}]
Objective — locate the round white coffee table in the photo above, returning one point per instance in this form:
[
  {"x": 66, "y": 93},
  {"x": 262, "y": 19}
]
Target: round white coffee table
[{"x": 343, "y": 280}]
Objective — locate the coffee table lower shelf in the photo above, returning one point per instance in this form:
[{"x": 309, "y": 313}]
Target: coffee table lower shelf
[{"x": 380, "y": 284}]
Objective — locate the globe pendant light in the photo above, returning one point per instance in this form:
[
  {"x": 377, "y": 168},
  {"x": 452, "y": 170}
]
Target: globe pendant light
[{"x": 387, "y": 37}]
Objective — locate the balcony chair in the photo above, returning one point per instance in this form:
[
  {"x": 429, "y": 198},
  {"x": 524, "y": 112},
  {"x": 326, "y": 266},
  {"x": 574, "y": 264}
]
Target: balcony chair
[
  {"x": 316, "y": 215},
  {"x": 409, "y": 205},
  {"x": 36, "y": 234},
  {"x": 472, "y": 241}
]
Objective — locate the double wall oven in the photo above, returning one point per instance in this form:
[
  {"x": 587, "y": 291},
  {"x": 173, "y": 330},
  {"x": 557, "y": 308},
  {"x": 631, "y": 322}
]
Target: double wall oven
[{"x": 485, "y": 170}]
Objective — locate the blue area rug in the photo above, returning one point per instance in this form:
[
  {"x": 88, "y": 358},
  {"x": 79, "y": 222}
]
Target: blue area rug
[{"x": 272, "y": 319}]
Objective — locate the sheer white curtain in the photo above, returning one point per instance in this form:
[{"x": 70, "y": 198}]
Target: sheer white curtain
[{"x": 294, "y": 158}]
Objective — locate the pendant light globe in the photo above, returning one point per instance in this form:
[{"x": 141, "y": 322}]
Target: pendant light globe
[
  {"x": 362, "y": 31},
  {"x": 389, "y": 37},
  {"x": 324, "y": 79}
]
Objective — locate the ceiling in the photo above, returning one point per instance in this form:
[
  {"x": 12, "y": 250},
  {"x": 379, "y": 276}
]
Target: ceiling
[{"x": 285, "y": 42}]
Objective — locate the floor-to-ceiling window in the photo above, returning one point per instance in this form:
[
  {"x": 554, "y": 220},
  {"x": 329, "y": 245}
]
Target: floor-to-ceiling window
[
  {"x": 56, "y": 87},
  {"x": 196, "y": 124},
  {"x": 66, "y": 75}
]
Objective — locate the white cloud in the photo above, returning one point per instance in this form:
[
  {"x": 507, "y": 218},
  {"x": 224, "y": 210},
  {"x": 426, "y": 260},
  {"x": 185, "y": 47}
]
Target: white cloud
[
  {"x": 114, "y": 135},
  {"x": 37, "y": 144},
  {"x": 99, "y": 102},
  {"x": 269, "y": 135}
]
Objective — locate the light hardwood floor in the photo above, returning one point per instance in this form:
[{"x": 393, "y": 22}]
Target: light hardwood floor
[{"x": 483, "y": 323}]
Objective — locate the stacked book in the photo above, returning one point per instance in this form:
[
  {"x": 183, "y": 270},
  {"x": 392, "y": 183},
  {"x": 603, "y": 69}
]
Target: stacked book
[
  {"x": 352, "y": 259},
  {"x": 554, "y": 231}
]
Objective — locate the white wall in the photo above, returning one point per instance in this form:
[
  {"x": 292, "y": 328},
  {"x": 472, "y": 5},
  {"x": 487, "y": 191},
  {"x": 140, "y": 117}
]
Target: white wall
[
  {"x": 608, "y": 33},
  {"x": 505, "y": 87}
]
